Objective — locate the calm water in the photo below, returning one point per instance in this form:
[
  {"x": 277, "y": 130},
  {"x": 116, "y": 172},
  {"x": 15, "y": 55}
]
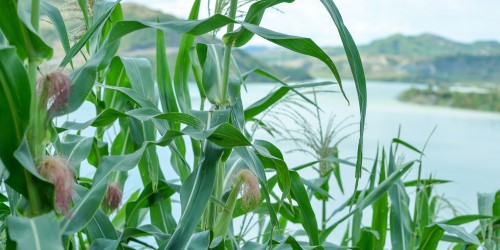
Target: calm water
[{"x": 465, "y": 147}]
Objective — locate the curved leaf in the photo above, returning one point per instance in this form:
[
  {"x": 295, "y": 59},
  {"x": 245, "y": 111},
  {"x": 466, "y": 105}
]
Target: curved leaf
[
  {"x": 357, "y": 71},
  {"x": 276, "y": 95},
  {"x": 254, "y": 16},
  {"x": 57, "y": 20}
]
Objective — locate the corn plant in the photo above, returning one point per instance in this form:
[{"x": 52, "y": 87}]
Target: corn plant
[
  {"x": 221, "y": 171},
  {"x": 395, "y": 223},
  {"x": 48, "y": 196}
]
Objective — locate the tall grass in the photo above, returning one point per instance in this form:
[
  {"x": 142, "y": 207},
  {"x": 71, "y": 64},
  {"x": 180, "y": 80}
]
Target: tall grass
[{"x": 50, "y": 202}]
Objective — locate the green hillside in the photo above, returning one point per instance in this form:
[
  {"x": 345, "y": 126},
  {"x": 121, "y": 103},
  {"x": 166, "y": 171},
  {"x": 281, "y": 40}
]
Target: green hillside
[
  {"x": 427, "y": 45},
  {"x": 424, "y": 58}
]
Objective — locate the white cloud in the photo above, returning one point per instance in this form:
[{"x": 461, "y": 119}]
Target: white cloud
[{"x": 462, "y": 20}]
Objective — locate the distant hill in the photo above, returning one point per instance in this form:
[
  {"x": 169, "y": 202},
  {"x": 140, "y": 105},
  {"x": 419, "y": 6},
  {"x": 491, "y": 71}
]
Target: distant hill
[
  {"x": 424, "y": 58},
  {"x": 427, "y": 45}
]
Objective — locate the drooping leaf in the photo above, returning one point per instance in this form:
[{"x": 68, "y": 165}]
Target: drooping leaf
[
  {"x": 357, "y": 71},
  {"x": 434, "y": 233},
  {"x": 254, "y": 16},
  {"x": 406, "y": 144},
  {"x": 84, "y": 77},
  {"x": 273, "y": 156},
  {"x": 276, "y": 95},
  {"x": 274, "y": 78},
  {"x": 461, "y": 233},
  {"x": 57, "y": 20},
  {"x": 144, "y": 230},
  {"x": 88, "y": 34}
]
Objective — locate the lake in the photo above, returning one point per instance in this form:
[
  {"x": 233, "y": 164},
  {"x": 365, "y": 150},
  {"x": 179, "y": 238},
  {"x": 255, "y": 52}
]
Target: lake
[{"x": 465, "y": 147}]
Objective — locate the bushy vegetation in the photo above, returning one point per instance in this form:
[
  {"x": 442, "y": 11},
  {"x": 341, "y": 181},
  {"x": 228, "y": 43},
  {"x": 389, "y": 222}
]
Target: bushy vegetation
[
  {"x": 222, "y": 175},
  {"x": 486, "y": 100}
]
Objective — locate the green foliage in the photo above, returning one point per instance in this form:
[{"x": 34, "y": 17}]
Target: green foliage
[
  {"x": 486, "y": 99},
  {"x": 130, "y": 133},
  {"x": 39, "y": 233}
]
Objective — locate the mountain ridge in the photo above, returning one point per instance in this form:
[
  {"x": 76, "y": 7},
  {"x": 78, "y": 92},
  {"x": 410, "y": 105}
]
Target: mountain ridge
[{"x": 424, "y": 58}]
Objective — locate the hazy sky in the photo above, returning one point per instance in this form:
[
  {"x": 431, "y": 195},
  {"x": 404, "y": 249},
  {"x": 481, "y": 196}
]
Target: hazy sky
[{"x": 460, "y": 20}]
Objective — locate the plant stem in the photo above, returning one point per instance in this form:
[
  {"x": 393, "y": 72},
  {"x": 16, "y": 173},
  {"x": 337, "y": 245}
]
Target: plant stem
[
  {"x": 227, "y": 54},
  {"x": 323, "y": 217},
  {"x": 211, "y": 212},
  {"x": 217, "y": 193},
  {"x": 227, "y": 214},
  {"x": 32, "y": 70},
  {"x": 220, "y": 180},
  {"x": 209, "y": 215},
  {"x": 35, "y": 147}
]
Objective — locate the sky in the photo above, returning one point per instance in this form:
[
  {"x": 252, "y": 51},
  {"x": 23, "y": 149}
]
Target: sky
[{"x": 368, "y": 20}]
